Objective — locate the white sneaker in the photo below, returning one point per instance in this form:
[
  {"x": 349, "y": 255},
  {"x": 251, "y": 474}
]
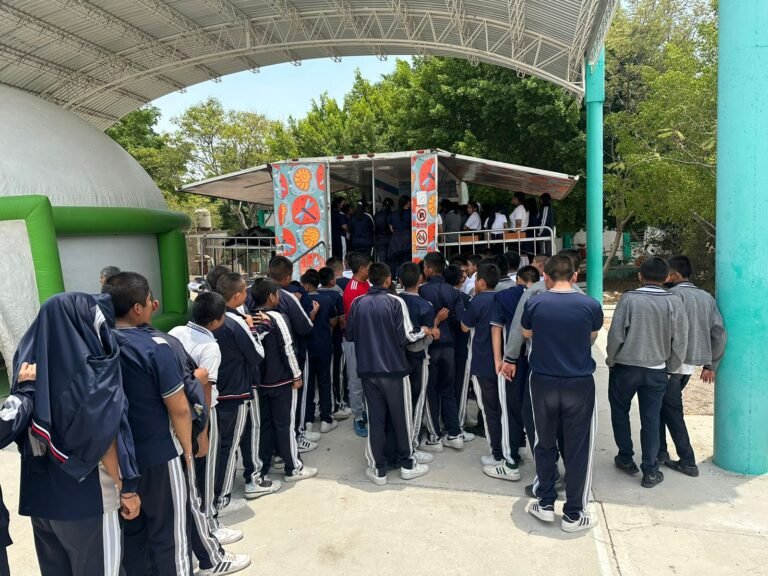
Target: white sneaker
[
  {"x": 326, "y": 427},
  {"x": 455, "y": 442},
  {"x": 234, "y": 505},
  {"x": 342, "y": 413},
  {"x": 230, "y": 564},
  {"x": 489, "y": 460},
  {"x": 503, "y": 471},
  {"x": 278, "y": 463},
  {"x": 303, "y": 474},
  {"x": 311, "y": 436},
  {"x": 543, "y": 513},
  {"x": 429, "y": 446},
  {"x": 374, "y": 477},
  {"x": 468, "y": 436},
  {"x": 260, "y": 488},
  {"x": 226, "y": 535},
  {"x": 585, "y": 522},
  {"x": 305, "y": 445},
  {"x": 415, "y": 472},
  {"x": 422, "y": 457}
]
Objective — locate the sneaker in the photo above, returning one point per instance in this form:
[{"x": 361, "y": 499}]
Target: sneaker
[
  {"x": 455, "y": 442},
  {"x": 234, "y": 505},
  {"x": 342, "y": 413},
  {"x": 415, "y": 472},
  {"x": 489, "y": 460},
  {"x": 360, "y": 428},
  {"x": 559, "y": 487},
  {"x": 688, "y": 470},
  {"x": 422, "y": 457},
  {"x": 263, "y": 487},
  {"x": 468, "y": 436},
  {"x": 529, "y": 491},
  {"x": 431, "y": 446},
  {"x": 543, "y": 513},
  {"x": 306, "y": 446},
  {"x": 583, "y": 522},
  {"x": 503, "y": 471},
  {"x": 373, "y": 476},
  {"x": 651, "y": 480},
  {"x": 230, "y": 564},
  {"x": 278, "y": 463},
  {"x": 663, "y": 457},
  {"x": 311, "y": 436},
  {"x": 302, "y": 474},
  {"x": 227, "y": 536},
  {"x": 326, "y": 427},
  {"x": 628, "y": 467}
]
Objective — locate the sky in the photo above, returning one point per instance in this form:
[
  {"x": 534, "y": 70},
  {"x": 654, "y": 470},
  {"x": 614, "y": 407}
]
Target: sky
[{"x": 276, "y": 91}]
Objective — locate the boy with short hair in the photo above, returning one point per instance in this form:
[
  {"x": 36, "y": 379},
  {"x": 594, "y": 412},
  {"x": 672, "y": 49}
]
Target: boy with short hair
[
  {"x": 340, "y": 271},
  {"x": 562, "y": 325},
  {"x": 356, "y": 287},
  {"x": 527, "y": 276},
  {"x": 505, "y": 280},
  {"x": 278, "y": 384},
  {"x": 380, "y": 327},
  {"x": 469, "y": 284},
  {"x": 513, "y": 263},
  {"x": 648, "y": 338},
  {"x": 484, "y": 367},
  {"x": 539, "y": 261},
  {"x": 706, "y": 346},
  {"x": 329, "y": 287}
]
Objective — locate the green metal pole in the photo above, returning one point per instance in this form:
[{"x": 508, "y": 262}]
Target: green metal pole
[
  {"x": 595, "y": 97},
  {"x": 741, "y": 393}
]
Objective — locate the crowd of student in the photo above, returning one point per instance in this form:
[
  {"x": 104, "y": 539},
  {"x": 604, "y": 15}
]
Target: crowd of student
[{"x": 130, "y": 437}]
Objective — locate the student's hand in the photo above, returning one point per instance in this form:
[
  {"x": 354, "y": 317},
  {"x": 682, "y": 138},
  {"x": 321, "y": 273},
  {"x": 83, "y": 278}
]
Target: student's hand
[
  {"x": 707, "y": 376},
  {"x": 499, "y": 367},
  {"x": 436, "y": 333},
  {"x": 509, "y": 370},
  {"x": 27, "y": 372},
  {"x": 315, "y": 308},
  {"x": 248, "y": 320},
  {"x": 297, "y": 384},
  {"x": 261, "y": 318},
  {"x": 130, "y": 505},
  {"x": 442, "y": 315},
  {"x": 202, "y": 445}
]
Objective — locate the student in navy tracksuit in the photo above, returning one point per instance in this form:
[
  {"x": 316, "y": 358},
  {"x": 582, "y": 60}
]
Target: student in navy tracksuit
[
  {"x": 78, "y": 469},
  {"x": 484, "y": 368},
  {"x": 455, "y": 277},
  {"x": 335, "y": 294},
  {"x": 278, "y": 384},
  {"x": 241, "y": 355},
  {"x": 441, "y": 393},
  {"x": 320, "y": 351},
  {"x": 380, "y": 327},
  {"x": 159, "y": 538},
  {"x": 562, "y": 325}
]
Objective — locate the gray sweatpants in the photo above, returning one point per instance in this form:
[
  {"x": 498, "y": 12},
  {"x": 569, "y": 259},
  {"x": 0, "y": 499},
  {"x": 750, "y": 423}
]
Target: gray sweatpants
[{"x": 356, "y": 398}]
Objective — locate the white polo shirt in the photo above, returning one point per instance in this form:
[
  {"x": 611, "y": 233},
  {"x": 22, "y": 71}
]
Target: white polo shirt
[{"x": 201, "y": 345}]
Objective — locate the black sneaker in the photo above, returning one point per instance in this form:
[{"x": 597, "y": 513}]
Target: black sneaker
[
  {"x": 628, "y": 467},
  {"x": 651, "y": 480},
  {"x": 688, "y": 470},
  {"x": 663, "y": 457},
  {"x": 529, "y": 491}
]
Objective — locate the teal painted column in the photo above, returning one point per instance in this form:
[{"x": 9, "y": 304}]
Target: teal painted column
[
  {"x": 595, "y": 97},
  {"x": 741, "y": 391}
]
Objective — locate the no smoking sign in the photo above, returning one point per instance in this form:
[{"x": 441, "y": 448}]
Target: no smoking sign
[{"x": 421, "y": 215}]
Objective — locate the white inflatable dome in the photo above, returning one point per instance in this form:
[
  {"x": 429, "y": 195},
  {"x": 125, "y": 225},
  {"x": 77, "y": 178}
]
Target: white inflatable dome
[{"x": 46, "y": 150}]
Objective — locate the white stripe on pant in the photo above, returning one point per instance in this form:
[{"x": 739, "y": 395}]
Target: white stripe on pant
[
  {"x": 229, "y": 474},
  {"x": 179, "y": 495},
  {"x": 210, "y": 470},
  {"x": 113, "y": 543},
  {"x": 210, "y": 544},
  {"x": 418, "y": 415},
  {"x": 506, "y": 446}
]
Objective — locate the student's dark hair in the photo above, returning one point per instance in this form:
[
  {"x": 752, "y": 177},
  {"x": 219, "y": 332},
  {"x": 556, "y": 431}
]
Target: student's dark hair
[
  {"x": 559, "y": 268},
  {"x": 229, "y": 285},
  {"x": 452, "y": 275},
  {"x": 402, "y": 201},
  {"x": 326, "y": 276},
  {"x": 387, "y": 203},
  {"x": 336, "y": 203},
  {"x": 446, "y": 204},
  {"x": 501, "y": 261},
  {"x": 513, "y": 260},
  {"x": 311, "y": 277},
  {"x": 409, "y": 274},
  {"x": 531, "y": 206},
  {"x": 280, "y": 268},
  {"x": 108, "y": 271},
  {"x": 546, "y": 199},
  {"x": 488, "y": 271},
  {"x": 475, "y": 205},
  {"x": 126, "y": 289},
  {"x": 262, "y": 289},
  {"x": 654, "y": 269},
  {"x": 682, "y": 265},
  {"x": 208, "y": 307},
  {"x": 459, "y": 260},
  {"x": 333, "y": 262},
  {"x": 474, "y": 259},
  {"x": 520, "y": 196},
  {"x": 357, "y": 260},
  {"x": 540, "y": 257},
  {"x": 214, "y": 274},
  {"x": 378, "y": 272},
  {"x": 528, "y": 274},
  {"x": 573, "y": 255},
  {"x": 435, "y": 261}
]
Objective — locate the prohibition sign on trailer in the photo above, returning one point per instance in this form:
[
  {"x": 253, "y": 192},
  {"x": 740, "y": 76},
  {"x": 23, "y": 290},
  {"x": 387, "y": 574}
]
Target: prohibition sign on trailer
[
  {"x": 421, "y": 215},
  {"x": 421, "y": 237}
]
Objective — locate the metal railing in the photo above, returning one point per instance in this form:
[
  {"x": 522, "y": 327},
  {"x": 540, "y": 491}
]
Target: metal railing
[
  {"x": 249, "y": 255},
  {"x": 505, "y": 240}
]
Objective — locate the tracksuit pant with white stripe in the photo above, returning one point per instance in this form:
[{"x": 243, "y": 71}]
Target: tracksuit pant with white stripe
[
  {"x": 388, "y": 399},
  {"x": 319, "y": 378},
  {"x": 230, "y": 416},
  {"x": 278, "y": 420},
  {"x": 158, "y": 540},
  {"x": 494, "y": 416},
  {"x": 205, "y": 546},
  {"x": 570, "y": 403},
  {"x": 249, "y": 441},
  {"x": 79, "y": 547},
  {"x": 205, "y": 472},
  {"x": 418, "y": 378},
  {"x": 441, "y": 392}
]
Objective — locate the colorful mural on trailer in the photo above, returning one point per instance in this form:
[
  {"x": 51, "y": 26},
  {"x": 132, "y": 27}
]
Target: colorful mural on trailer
[
  {"x": 301, "y": 213},
  {"x": 423, "y": 205}
]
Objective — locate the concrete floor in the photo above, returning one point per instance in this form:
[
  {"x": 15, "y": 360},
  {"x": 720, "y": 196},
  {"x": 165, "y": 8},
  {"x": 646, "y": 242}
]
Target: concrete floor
[{"x": 455, "y": 520}]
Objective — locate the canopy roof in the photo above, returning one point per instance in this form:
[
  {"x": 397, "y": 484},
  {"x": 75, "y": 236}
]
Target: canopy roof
[
  {"x": 388, "y": 170},
  {"x": 103, "y": 58}
]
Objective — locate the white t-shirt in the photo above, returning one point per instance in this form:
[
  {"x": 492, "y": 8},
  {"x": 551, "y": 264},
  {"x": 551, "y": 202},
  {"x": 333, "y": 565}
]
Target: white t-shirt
[
  {"x": 520, "y": 213},
  {"x": 500, "y": 222},
  {"x": 469, "y": 284},
  {"x": 201, "y": 345},
  {"x": 474, "y": 222}
]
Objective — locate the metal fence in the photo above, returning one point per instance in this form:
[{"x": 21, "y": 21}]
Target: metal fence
[
  {"x": 533, "y": 240},
  {"x": 246, "y": 255}
]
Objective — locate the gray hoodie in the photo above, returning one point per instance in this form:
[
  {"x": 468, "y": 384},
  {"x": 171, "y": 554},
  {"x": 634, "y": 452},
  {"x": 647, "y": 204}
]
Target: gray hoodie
[
  {"x": 706, "y": 333},
  {"x": 649, "y": 329}
]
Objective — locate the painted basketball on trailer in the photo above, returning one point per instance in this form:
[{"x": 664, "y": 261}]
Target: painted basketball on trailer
[
  {"x": 320, "y": 177},
  {"x": 289, "y": 243},
  {"x": 283, "y": 186},
  {"x": 311, "y": 260},
  {"x": 305, "y": 210},
  {"x": 282, "y": 212},
  {"x": 302, "y": 178},
  {"x": 432, "y": 205},
  {"x": 427, "y": 176}
]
